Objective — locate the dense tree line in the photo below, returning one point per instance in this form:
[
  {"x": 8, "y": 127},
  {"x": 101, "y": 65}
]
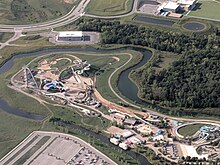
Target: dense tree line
[
  {"x": 192, "y": 82},
  {"x": 113, "y": 32}
]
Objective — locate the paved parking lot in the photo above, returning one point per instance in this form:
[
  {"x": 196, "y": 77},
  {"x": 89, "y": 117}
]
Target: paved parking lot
[
  {"x": 150, "y": 7},
  {"x": 59, "y": 149}
]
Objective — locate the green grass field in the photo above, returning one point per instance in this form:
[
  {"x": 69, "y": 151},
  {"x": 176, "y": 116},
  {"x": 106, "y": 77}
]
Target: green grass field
[
  {"x": 207, "y": 9},
  {"x": 190, "y": 130},
  {"x": 73, "y": 115},
  {"x": 33, "y": 11},
  {"x": 17, "y": 99},
  {"x": 13, "y": 130},
  {"x": 109, "y": 7},
  {"x": 5, "y": 36}
]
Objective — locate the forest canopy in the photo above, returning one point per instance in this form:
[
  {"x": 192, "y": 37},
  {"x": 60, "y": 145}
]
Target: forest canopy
[
  {"x": 114, "y": 32},
  {"x": 191, "y": 82}
]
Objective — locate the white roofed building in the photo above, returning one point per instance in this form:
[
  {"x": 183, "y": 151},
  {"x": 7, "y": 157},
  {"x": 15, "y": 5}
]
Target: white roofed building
[
  {"x": 114, "y": 141},
  {"x": 187, "y": 4},
  {"x": 171, "y": 7},
  {"x": 70, "y": 36},
  {"x": 124, "y": 146}
]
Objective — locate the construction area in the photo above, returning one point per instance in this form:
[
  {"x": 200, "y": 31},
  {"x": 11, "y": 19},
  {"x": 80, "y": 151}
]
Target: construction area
[
  {"x": 60, "y": 78},
  {"x": 54, "y": 148}
]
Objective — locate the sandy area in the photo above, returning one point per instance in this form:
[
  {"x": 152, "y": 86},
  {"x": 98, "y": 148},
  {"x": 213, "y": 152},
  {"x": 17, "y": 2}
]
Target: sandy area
[
  {"x": 122, "y": 109},
  {"x": 47, "y": 75},
  {"x": 113, "y": 130},
  {"x": 190, "y": 151}
]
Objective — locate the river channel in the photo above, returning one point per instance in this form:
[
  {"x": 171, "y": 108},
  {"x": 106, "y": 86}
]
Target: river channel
[{"x": 124, "y": 84}]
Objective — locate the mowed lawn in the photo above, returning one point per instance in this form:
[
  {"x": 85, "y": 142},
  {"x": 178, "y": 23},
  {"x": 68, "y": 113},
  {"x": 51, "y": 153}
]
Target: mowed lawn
[
  {"x": 207, "y": 9},
  {"x": 13, "y": 130},
  {"x": 109, "y": 7},
  {"x": 189, "y": 130}
]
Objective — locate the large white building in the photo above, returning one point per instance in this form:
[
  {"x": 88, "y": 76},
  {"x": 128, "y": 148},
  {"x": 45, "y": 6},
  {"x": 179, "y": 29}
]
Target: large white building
[
  {"x": 70, "y": 36},
  {"x": 187, "y": 4},
  {"x": 171, "y": 7}
]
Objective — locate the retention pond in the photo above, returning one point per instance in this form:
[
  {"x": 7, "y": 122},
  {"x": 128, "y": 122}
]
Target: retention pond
[
  {"x": 194, "y": 26},
  {"x": 154, "y": 20}
]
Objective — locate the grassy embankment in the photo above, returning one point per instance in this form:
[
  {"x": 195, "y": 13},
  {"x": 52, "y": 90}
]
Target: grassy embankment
[
  {"x": 189, "y": 130},
  {"x": 109, "y": 7},
  {"x": 5, "y": 36},
  {"x": 31, "y": 11},
  {"x": 13, "y": 130},
  {"x": 207, "y": 9},
  {"x": 16, "y": 99}
]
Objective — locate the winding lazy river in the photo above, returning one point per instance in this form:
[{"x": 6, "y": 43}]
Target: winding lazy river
[{"x": 126, "y": 86}]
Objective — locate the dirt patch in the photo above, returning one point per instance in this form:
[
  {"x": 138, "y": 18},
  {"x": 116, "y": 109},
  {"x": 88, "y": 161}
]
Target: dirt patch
[
  {"x": 125, "y": 110},
  {"x": 113, "y": 130}
]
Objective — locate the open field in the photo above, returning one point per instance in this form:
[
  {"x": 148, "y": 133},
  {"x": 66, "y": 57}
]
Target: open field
[
  {"x": 24, "y": 46},
  {"x": 189, "y": 130},
  {"x": 72, "y": 115},
  {"x": 13, "y": 130},
  {"x": 32, "y": 11},
  {"x": 19, "y": 100},
  {"x": 207, "y": 9},
  {"x": 165, "y": 60},
  {"x": 5, "y": 36},
  {"x": 109, "y": 7}
]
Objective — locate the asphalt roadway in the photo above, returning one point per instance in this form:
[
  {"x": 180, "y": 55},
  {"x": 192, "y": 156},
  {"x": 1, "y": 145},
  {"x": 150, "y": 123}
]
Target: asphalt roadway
[{"x": 73, "y": 15}]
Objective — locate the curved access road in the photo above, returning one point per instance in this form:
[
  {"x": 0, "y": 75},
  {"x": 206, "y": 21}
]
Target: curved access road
[
  {"x": 73, "y": 15},
  {"x": 134, "y": 10}
]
